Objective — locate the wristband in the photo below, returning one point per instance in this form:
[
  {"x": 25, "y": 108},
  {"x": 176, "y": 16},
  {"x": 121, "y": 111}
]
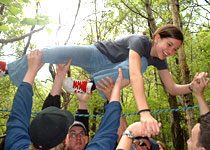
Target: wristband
[
  {"x": 190, "y": 88},
  {"x": 143, "y": 110}
]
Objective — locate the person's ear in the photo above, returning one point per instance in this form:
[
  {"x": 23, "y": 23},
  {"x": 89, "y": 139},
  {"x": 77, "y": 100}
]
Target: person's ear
[
  {"x": 202, "y": 148},
  {"x": 157, "y": 37},
  {"x": 86, "y": 139}
]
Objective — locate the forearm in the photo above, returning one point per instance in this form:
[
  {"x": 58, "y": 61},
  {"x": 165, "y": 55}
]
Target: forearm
[
  {"x": 122, "y": 128},
  {"x": 57, "y": 85},
  {"x": 125, "y": 143},
  {"x": 53, "y": 98},
  {"x": 83, "y": 105},
  {"x": 29, "y": 77},
  {"x": 203, "y": 106},
  {"x": 115, "y": 96},
  {"x": 137, "y": 84},
  {"x": 171, "y": 86},
  {"x": 178, "y": 89}
]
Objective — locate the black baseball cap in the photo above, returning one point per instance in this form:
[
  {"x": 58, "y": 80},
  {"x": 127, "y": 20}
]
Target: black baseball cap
[{"x": 50, "y": 127}]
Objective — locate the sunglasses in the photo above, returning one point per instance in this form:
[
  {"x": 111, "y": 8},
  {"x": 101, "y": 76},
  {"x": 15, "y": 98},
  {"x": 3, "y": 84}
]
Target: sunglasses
[{"x": 141, "y": 144}]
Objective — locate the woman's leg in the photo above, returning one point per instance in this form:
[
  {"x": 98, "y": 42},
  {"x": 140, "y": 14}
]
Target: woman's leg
[
  {"x": 85, "y": 57},
  {"x": 17, "y": 70}
]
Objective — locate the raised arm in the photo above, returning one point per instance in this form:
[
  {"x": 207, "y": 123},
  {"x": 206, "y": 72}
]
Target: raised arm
[
  {"x": 83, "y": 109},
  {"x": 61, "y": 70},
  {"x": 106, "y": 136},
  {"x": 137, "y": 129},
  {"x": 126, "y": 142},
  {"x": 53, "y": 99},
  {"x": 200, "y": 83},
  {"x": 19, "y": 120},
  {"x": 106, "y": 88},
  {"x": 83, "y": 100},
  {"x": 137, "y": 83}
]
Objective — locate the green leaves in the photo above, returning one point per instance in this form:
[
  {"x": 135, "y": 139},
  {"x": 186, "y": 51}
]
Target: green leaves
[
  {"x": 12, "y": 19},
  {"x": 29, "y": 21},
  {"x": 6, "y": 2},
  {"x": 4, "y": 28},
  {"x": 15, "y": 10},
  {"x": 38, "y": 20}
]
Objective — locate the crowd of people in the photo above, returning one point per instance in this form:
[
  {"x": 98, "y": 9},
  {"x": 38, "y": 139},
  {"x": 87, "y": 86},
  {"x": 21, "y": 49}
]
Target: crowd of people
[{"x": 112, "y": 66}]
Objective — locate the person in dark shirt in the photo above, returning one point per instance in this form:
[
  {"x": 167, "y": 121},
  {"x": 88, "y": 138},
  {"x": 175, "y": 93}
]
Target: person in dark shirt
[{"x": 81, "y": 126}]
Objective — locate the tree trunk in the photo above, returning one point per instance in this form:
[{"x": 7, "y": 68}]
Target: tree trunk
[
  {"x": 151, "y": 20},
  {"x": 176, "y": 130},
  {"x": 188, "y": 101},
  {"x": 177, "y": 135}
]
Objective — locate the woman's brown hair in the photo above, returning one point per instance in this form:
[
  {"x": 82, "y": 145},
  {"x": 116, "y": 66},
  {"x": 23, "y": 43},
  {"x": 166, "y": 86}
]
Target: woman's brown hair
[{"x": 169, "y": 31}]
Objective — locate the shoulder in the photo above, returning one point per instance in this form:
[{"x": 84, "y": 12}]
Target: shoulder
[{"x": 139, "y": 37}]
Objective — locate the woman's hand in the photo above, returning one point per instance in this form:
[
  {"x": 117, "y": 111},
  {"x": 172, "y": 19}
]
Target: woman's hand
[{"x": 150, "y": 126}]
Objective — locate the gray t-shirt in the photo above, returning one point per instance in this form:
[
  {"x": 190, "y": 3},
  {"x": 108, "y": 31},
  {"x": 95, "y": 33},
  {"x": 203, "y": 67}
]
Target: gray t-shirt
[{"x": 118, "y": 50}]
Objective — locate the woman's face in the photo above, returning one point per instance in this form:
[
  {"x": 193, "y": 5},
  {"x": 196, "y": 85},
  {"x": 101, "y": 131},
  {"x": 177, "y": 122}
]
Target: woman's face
[{"x": 164, "y": 47}]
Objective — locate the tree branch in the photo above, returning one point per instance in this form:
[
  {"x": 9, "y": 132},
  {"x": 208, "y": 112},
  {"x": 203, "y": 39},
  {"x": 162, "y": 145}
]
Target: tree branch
[
  {"x": 203, "y": 7},
  {"x": 32, "y": 28},
  {"x": 191, "y": 13},
  {"x": 29, "y": 40},
  {"x": 134, "y": 11},
  {"x": 75, "y": 18},
  {"x": 3, "y": 41},
  {"x": 207, "y": 2}
]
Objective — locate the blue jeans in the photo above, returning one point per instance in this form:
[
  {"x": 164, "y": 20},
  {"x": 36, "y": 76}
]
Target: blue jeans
[{"x": 87, "y": 57}]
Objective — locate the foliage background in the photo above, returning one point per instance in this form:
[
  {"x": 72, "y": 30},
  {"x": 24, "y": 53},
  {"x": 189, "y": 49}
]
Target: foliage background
[{"x": 105, "y": 19}]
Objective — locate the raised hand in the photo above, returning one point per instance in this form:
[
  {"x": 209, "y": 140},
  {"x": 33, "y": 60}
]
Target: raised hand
[
  {"x": 83, "y": 97},
  {"x": 200, "y": 82},
  {"x": 61, "y": 69},
  {"x": 106, "y": 87},
  {"x": 34, "y": 59}
]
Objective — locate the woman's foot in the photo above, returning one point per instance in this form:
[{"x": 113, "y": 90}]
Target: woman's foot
[
  {"x": 74, "y": 86},
  {"x": 3, "y": 69}
]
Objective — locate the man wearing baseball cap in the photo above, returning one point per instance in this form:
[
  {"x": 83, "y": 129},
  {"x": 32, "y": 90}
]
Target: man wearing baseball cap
[
  {"x": 80, "y": 129},
  {"x": 77, "y": 138},
  {"x": 48, "y": 129}
]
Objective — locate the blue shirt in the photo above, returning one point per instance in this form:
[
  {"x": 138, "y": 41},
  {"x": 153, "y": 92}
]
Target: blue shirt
[
  {"x": 17, "y": 137},
  {"x": 106, "y": 136}
]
